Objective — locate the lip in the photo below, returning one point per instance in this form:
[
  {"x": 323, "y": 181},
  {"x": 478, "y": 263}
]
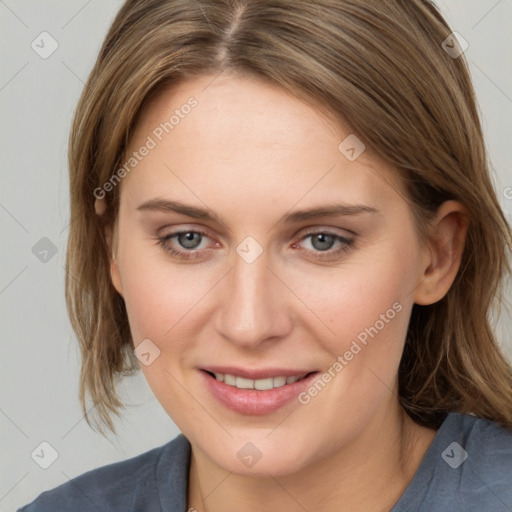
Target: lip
[{"x": 255, "y": 402}]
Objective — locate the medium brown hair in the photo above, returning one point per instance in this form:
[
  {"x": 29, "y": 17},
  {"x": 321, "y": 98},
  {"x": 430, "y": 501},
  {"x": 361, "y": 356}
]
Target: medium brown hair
[{"x": 380, "y": 67}]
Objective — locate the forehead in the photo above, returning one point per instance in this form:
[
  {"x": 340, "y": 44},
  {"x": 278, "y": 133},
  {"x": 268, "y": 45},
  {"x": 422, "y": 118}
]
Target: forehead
[
  {"x": 240, "y": 137},
  {"x": 249, "y": 110}
]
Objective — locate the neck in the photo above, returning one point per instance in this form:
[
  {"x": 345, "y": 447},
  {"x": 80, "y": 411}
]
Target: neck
[{"x": 370, "y": 474}]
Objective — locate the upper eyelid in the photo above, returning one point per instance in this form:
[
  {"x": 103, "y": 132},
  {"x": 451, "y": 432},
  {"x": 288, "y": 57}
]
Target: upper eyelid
[
  {"x": 332, "y": 232},
  {"x": 301, "y": 232},
  {"x": 162, "y": 233},
  {"x": 173, "y": 234}
]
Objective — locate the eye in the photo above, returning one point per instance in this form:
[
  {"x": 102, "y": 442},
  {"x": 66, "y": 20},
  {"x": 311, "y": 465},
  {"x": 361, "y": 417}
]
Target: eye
[
  {"x": 321, "y": 243},
  {"x": 190, "y": 244},
  {"x": 189, "y": 239},
  {"x": 184, "y": 244}
]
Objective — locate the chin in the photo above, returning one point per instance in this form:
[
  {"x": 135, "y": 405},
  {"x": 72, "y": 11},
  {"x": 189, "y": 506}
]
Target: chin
[{"x": 259, "y": 458}]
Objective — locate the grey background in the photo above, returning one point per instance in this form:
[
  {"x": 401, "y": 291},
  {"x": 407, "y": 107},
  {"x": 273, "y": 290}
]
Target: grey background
[{"x": 40, "y": 364}]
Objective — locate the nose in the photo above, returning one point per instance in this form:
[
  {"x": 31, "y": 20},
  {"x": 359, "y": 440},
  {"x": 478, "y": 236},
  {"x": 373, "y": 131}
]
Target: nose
[{"x": 254, "y": 306}]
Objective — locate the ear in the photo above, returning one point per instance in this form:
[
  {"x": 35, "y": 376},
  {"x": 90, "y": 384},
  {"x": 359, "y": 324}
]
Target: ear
[
  {"x": 443, "y": 253},
  {"x": 100, "y": 207}
]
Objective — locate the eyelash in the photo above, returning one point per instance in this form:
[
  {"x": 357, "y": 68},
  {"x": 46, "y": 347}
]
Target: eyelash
[
  {"x": 163, "y": 241},
  {"x": 186, "y": 255}
]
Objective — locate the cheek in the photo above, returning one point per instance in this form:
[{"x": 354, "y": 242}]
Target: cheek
[
  {"x": 365, "y": 311},
  {"x": 161, "y": 301},
  {"x": 367, "y": 301},
  {"x": 158, "y": 293}
]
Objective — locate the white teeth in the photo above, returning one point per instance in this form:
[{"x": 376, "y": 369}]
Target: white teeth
[
  {"x": 242, "y": 383},
  {"x": 259, "y": 384},
  {"x": 264, "y": 384},
  {"x": 279, "y": 381},
  {"x": 230, "y": 379}
]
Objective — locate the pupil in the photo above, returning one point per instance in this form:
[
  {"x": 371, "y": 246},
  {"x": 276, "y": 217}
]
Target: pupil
[
  {"x": 323, "y": 241},
  {"x": 189, "y": 240}
]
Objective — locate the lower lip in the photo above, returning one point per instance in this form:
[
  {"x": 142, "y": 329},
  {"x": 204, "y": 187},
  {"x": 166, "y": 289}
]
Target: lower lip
[{"x": 250, "y": 401}]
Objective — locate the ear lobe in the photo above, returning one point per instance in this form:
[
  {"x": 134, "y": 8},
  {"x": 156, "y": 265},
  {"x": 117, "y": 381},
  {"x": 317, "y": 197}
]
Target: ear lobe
[
  {"x": 100, "y": 205},
  {"x": 443, "y": 253}
]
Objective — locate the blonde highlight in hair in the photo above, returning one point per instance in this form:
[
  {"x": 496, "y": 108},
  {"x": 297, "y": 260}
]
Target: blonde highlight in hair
[{"x": 379, "y": 67}]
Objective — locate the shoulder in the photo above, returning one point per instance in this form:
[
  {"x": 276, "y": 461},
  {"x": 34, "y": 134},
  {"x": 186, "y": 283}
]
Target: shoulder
[
  {"x": 485, "y": 439},
  {"x": 468, "y": 467},
  {"x": 132, "y": 484},
  {"x": 485, "y": 452}
]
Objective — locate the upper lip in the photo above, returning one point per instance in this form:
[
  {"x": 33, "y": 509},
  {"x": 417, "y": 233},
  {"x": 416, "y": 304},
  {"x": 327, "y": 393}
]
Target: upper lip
[{"x": 255, "y": 374}]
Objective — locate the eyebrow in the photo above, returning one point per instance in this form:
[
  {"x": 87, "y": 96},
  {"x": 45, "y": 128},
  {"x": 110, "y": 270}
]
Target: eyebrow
[
  {"x": 328, "y": 211},
  {"x": 165, "y": 205}
]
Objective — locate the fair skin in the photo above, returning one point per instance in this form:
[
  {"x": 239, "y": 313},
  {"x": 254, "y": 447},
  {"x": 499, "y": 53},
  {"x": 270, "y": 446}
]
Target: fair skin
[{"x": 250, "y": 153}]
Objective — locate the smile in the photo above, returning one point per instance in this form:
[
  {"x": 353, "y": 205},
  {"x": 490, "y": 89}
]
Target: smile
[
  {"x": 256, "y": 392},
  {"x": 258, "y": 384}
]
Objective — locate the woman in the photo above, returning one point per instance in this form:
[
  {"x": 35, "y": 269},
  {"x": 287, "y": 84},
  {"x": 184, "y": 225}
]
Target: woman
[{"x": 282, "y": 213}]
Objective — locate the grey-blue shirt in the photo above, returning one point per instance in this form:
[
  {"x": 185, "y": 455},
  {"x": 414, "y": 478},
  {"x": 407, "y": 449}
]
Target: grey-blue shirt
[{"x": 467, "y": 468}]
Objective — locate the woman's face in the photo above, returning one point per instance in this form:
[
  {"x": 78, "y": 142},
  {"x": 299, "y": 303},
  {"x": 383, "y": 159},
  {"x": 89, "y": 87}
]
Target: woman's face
[{"x": 297, "y": 258}]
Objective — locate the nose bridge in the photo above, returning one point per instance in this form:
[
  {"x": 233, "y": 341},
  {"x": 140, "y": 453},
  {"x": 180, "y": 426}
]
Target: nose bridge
[{"x": 254, "y": 309}]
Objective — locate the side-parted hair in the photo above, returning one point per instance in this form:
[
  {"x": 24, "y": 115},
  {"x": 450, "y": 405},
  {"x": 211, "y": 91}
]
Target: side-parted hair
[{"x": 378, "y": 66}]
